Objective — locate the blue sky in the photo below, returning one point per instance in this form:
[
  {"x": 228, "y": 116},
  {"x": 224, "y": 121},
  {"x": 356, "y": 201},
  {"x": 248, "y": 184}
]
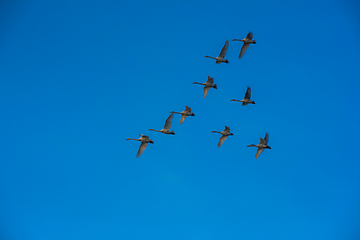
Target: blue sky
[{"x": 79, "y": 77}]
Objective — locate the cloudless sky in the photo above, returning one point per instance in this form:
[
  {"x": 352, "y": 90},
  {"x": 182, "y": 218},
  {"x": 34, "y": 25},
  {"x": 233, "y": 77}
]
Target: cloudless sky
[{"x": 79, "y": 77}]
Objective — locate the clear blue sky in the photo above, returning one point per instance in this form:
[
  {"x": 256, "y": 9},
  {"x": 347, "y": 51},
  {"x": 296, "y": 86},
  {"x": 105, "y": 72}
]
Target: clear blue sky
[{"x": 79, "y": 77}]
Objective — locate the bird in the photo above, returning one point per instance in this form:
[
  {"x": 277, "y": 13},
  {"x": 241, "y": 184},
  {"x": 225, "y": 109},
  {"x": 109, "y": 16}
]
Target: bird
[
  {"x": 167, "y": 126},
  {"x": 144, "y": 142},
  {"x": 221, "y": 57},
  {"x": 207, "y": 85},
  {"x": 261, "y": 146},
  {"x": 247, "y": 41},
  {"x": 184, "y": 114},
  {"x": 246, "y": 99},
  {"x": 225, "y": 133}
]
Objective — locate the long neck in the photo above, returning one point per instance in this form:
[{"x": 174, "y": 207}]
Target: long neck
[
  {"x": 210, "y": 57},
  {"x": 154, "y": 130},
  {"x": 133, "y": 139},
  {"x": 251, "y": 145},
  {"x": 235, "y": 100},
  {"x": 241, "y": 40},
  {"x": 215, "y": 132},
  {"x": 175, "y": 112},
  {"x": 198, "y": 83}
]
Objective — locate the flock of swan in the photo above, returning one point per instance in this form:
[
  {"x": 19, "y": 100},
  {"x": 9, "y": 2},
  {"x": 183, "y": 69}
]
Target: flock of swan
[{"x": 207, "y": 86}]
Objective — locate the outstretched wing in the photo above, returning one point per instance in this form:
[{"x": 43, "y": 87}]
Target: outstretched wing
[
  {"x": 258, "y": 152},
  {"x": 206, "y": 89},
  {"x": 262, "y": 141},
  {"x": 248, "y": 93},
  {"x": 266, "y": 139},
  {"x": 182, "y": 118},
  {"x": 142, "y": 147},
  {"x": 187, "y": 108},
  {"x": 144, "y": 136},
  {"x": 224, "y": 49},
  {"x": 210, "y": 80},
  {"x": 243, "y": 49},
  {"x": 169, "y": 121},
  {"x": 227, "y": 129},
  {"x": 249, "y": 36},
  {"x": 222, "y": 139}
]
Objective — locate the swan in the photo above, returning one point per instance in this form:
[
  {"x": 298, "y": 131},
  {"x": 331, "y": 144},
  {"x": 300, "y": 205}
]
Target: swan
[
  {"x": 221, "y": 57},
  {"x": 167, "y": 126},
  {"x": 184, "y": 114},
  {"x": 207, "y": 85},
  {"x": 225, "y": 133},
  {"x": 247, "y": 41},
  {"x": 261, "y": 146},
  {"x": 246, "y": 99},
  {"x": 144, "y": 142}
]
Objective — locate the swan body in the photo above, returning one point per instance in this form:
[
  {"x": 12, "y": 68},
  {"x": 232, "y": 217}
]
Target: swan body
[
  {"x": 221, "y": 58},
  {"x": 144, "y": 142},
  {"x": 184, "y": 114},
  {"x": 167, "y": 126},
  {"x": 261, "y": 146},
  {"x": 225, "y": 133},
  {"x": 246, "y": 99},
  {"x": 207, "y": 85},
  {"x": 247, "y": 41}
]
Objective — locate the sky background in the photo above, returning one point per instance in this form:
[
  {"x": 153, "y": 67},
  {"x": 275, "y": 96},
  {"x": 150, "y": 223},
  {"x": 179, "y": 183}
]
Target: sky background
[{"x": 79, "y": 77}]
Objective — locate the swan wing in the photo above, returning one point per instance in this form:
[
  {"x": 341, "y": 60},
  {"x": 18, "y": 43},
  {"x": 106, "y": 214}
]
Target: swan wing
[
  {"x": 206, "y": 89},
  {"x": 144, "y": 136},
  {"x": 258, "y": 152},
  {"x": 210, "y": 80},
  {"x": 222, "y": 139},
  {"x": 243, "y": 49},
  {"x": 224, "y": 49},
  {"x": 248, "y": 93},
  {"x": 249, "y": 36},
  {"x": 182, "y": 118},
  {"x": 168, "y": 121},
  {"x": 142, "y": 147},
  {"x": 266, "y": 139}
]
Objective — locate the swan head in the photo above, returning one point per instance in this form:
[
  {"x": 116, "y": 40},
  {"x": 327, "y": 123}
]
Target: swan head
[
  {"x": 128, "y": 139},
  {"x": 232, "y": 99}
]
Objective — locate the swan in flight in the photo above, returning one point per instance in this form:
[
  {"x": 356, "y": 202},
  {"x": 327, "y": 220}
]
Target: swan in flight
[
  {"x": 167, "y": 126},
  {"x": 261, "y": 146},
  {"x": 184, "y": 114},
  {"x": 221, "y": 57},
  {"x": 207, "y": 85},
  {"x": 144, "y": 142},
  {"x": 246, "y": 99},
  {"x": 247, "y": 41},
  {"x": 225, "y": 133}
]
